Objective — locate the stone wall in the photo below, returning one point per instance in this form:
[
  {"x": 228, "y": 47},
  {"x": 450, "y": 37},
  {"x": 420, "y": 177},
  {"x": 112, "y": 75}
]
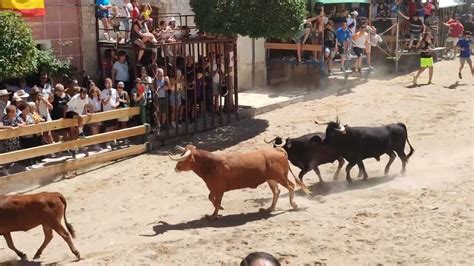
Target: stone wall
[{"x": 88, "y": 21}]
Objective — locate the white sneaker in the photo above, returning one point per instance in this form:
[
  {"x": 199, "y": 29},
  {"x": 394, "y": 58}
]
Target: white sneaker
[{"x": 173, "y": 124}]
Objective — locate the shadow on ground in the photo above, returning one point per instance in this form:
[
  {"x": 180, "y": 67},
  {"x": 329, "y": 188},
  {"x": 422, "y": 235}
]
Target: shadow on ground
[
  {"x": 26, "y": 263},
  {"x": 224, "y": 221},
  {"x": 222, "y": 137}
]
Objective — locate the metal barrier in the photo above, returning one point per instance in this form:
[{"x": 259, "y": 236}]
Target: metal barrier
[{"x": 194, "y": 103}]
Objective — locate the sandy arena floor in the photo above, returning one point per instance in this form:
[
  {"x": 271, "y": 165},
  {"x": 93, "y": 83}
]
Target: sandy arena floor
[{"x": 139, "y": 211}]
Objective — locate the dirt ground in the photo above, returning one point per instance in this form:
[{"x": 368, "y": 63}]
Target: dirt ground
[{"x": 139, "y": 211}]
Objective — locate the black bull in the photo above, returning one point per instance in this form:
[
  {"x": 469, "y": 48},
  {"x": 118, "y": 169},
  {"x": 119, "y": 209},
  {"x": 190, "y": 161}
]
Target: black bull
[
  {"x": 358, "y": 143},
  {"x": 308, "y": 152}
]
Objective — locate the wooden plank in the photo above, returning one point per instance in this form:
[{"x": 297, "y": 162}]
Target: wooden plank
[
  {"x": 23, "y": 154},
  {"x": 110, "y": 115},
  {"x": 47, "y": 174},
  {"x": 292, "y": 46},
  {"x": 38, "y": 128},
  {"x": 67, "y": 123}
]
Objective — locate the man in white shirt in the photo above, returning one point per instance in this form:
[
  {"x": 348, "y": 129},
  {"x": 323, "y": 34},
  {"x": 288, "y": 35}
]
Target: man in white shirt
[
  {"x": 75, "y": 108},
  {"x": 120, "y": 71},
  {"x": 110, "y": 101}
]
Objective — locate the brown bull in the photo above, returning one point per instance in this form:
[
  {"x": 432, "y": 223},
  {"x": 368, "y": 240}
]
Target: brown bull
[
  {"x": 225, "y": 172},
  {"x": 25, "y": 212}
]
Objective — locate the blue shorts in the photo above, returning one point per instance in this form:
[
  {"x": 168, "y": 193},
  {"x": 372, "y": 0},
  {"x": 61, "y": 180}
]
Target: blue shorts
[{"x": 102, "y": 14}]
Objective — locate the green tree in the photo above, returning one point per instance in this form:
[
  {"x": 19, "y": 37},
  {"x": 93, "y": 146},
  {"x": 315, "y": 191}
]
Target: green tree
[
  {"x": 253, "y": 18},
  {"x": 18, "y": 52},
  {"x": 47, "y": 62}
]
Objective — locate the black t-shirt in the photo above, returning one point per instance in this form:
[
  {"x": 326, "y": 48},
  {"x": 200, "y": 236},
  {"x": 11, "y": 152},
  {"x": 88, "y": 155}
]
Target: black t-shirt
[
  {"x": 425, "y": 46},
  {"x": 58, "y": 106},
  {"x": 329, "y": 38},
  {"x": 189, "y": 74}
]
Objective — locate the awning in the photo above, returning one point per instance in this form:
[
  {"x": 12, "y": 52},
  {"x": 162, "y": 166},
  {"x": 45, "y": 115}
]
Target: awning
[
  {"x": 450, "y": 3},
  {"x": 28, "y": 8},
  {"x": 344, "y": 1}
]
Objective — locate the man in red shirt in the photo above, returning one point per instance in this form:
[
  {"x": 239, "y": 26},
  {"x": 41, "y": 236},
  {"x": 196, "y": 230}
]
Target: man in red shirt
[{"x": 455, "y": 31}]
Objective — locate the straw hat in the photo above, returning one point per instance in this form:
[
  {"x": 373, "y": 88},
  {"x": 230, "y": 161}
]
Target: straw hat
[
  {"x": 22, "y": 94},
  {"x": 16, "y": 98},
  {"x": 4, "y": 92}
]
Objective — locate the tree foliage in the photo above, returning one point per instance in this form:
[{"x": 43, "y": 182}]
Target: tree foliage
[
  {"x": 253, "y": 18},
  {"x": 47, "y": 62},
  {"x": 17, "y": 49},
  {"x": 19, "y": 56}
]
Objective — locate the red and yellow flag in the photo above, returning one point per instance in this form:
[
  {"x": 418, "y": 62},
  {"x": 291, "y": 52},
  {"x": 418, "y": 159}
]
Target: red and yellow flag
[{"x": 28, "y": 8}]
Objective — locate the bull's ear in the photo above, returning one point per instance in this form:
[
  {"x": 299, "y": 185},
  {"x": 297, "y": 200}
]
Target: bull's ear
[
  {"x": 288, "y": 143},
  {"x": 316, "y": 139}
]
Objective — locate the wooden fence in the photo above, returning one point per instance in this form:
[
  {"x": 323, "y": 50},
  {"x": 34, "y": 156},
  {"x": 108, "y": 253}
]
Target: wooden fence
[{"x": 39, "y": 175}]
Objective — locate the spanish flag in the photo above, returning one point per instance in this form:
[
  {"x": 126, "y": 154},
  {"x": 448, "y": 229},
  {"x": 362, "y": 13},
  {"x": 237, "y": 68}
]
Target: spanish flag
[{"x": 28, "y": 8}]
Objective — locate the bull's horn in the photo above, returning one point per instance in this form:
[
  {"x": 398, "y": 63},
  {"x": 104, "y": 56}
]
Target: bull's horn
[
  {"x": 283, "y": 142},
  {"x": 341, "y": 128},
  {"x": 182, "y": 157},
  {"x": 180, "y": 148},
  {"x": 271, "y": 141},
  {"x": 319, "y": 123},
  {"x": 337, "y": 119}
]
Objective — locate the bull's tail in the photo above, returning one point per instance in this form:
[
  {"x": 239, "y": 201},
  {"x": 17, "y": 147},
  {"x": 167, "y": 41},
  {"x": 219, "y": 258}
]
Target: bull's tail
[
  {"x": 408, "y": 141},
  {"x": 299, "y": 182},
  {"x": 68, "y": 225}
]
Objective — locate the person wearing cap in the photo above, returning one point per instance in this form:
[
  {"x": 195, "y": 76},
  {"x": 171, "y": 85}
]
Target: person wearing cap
[
  {"x": 455, "y": 31},
  {"x": 4, "y": 96},
  {"x": 352, "y": 21}
]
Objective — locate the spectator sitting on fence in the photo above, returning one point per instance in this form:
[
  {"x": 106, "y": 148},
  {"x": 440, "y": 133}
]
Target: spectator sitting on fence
[
  {"x": 75, "y": 108},
  {"x": 159, "y": 99},
  {"x": 4, "y": 102},
  {"x": 95, "y": 106},
  {"x": 135, "y": 10},
  {"x": 416, "y": 28},
  {"x": 102, "y": 14},
  {"x": 140, "y": 36},
  {"x": 431, "y": 23},
  {"x": 146, "y": 11},
  {"x": 43, "y": 107},
  {"x": 110, "y": 101},
  {"x": 124, "y": 102},
  {"x": 73, "y": 88}
]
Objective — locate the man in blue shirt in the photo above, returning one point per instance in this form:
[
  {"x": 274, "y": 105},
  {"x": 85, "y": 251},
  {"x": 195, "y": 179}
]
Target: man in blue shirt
[
  {"x": 343, "y": 36},
  {"x": 465, "y": 44}
]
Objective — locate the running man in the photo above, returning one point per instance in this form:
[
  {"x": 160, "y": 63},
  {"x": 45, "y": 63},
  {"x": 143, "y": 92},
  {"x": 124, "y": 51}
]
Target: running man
[{"x": 465, "y": 56}]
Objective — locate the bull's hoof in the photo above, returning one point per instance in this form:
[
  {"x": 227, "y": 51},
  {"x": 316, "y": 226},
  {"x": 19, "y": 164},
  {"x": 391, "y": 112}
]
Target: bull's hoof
[
  {"x": 212, "y": 217},
  {"x": 295, "y": 207},
  {"x": 270, "y": 209},
  {"x": 22, "y": 256},
  {"x": 78, "y": 256},
  {"x": 37, "y": 256},
  {"x": 403, "y": 173},
  {"x": 221, "y": 208},
  {"x": 349, "y": 179},
  {"x": 365, "y": 178}
]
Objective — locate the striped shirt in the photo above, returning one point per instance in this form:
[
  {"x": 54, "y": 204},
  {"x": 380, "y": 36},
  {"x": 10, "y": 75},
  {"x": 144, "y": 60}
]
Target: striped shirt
[{"x": 416, "y": 26}]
